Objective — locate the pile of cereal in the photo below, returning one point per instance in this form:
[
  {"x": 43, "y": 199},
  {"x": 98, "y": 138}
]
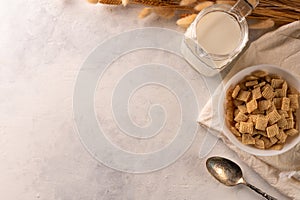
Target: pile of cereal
[{"x": 261, "y": 110}]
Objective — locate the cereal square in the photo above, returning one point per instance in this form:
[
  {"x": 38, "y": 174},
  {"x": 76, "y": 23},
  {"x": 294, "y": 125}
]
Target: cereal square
[
  {"x": 267, "y": 142},
  {"x": 229, "y": 115},
  {"x": 280, "y": 93},
  {"x": 246, "y": 127},
  {"x": 256, "y": 93},
  {"x": 264, "y": 105},
  {"x": 262, "y": 133},
  {"x": 236, "y": 102},
  {"x": 275, "y": 76},
  {"x": 260, "y": 84},
  {"x": 277, "y": 102},
  {"x": 273, "y": 140},
  {"x": 268, "y": 79},
  {"x": 277, "y": 83},
  {"x": 290, "y": 123},
  {"x": 273, "y": 117},
  {"x": 284, "y": 113},
  {"x": 235, "y": 91},
  {"x": 272, "y": 108},
  {"x": 243, "y": 96},
  {"x": 242, "y": 108},
  {"x": 251, "y": 83},
  {"x": 241, "y": 117},
  {"x": 235, "y": 132},
  {"x": 247, "y": 139},
  {"x": 272, "y": 130},
  {"x": 260, "y": 73},
  {"x": 251, "y": 78},
  {"x": 291, "y": 115},
  {"x": 253, "y": 118},
  {"x": 292, "y": 132},
  {"x": 294, "y": 104},
  {"x": 268, "y": 92},
  {"x": 259, "y": 143},
  {"x": 285, "y": 88},
  {"x": 292, "y": 90},
  {"x": 258, "y": 112},
  {"x": 281, "y": 136},
  {"x": 251, "y": 105},
  {"x": 282, "y": 122},
  {"x": 285, "y": 105},
  {"x": 276, "y": 147},
  {"x": 261, "y": 123},
  {"x": 243, "y": 86}
]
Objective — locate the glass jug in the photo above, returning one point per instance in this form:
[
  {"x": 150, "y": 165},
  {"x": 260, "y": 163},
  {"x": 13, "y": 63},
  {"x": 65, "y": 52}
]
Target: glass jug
[{"x": 217, "y": 35}]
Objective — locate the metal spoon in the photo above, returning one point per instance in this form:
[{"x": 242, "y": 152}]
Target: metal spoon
[{"x": 230, "y": 174}]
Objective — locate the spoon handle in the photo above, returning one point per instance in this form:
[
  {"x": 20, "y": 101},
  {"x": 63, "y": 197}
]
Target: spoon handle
[{"x": 260, "y": 192}]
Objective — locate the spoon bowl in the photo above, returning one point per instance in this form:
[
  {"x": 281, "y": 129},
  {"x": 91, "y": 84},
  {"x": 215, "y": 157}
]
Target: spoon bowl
[
  {"x": 227, "y": 172},
  {"x": 230, "y": 174}
]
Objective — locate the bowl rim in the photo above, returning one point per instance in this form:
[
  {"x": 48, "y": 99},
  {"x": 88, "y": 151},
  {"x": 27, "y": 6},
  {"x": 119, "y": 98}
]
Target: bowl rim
[{"x": 234, "y": 80}]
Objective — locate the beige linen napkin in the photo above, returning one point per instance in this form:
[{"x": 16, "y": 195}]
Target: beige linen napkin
[{"x": 280, "y": 47}]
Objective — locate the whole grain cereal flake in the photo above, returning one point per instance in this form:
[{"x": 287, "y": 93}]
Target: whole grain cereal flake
[
  {"x": 246, "y": 127},
  {"x": 294, "y": 104},
  {"x": 247, "y": 139},
  {"x": 251, "y": 83},
  {"x": 267, "y": 92},
  {"x": 281, "y": 136},
  {"x": 241, "y": 117},
  {"x": 272, "y": 130},
  {"x": 259, "y": 143},
  {"x": 235, "y": 91},
  {"x": 251, "y": 105},
  {"x": 256, "y": 93},
  {"x": 243, "y": 96},
  {"x": 261, "y": 123},
  {"x": 277, "y": 83},
  {"x": 285, "y": 104},
  {"x": 273, "y": 116},
  {"x": 242, "y": 108},
  {"x": 264, "y": 105},
  {"x": 292, "y": 132}
]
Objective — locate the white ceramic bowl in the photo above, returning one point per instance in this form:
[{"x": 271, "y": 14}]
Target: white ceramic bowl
[{"x": 291, "y": 80}]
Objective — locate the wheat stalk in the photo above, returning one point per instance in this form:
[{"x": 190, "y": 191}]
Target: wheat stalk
[{"x": 279, "y": 11}]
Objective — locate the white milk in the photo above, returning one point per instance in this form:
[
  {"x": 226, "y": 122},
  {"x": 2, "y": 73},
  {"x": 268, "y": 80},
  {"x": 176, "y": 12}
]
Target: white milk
[{"x": 218, "y": 33}]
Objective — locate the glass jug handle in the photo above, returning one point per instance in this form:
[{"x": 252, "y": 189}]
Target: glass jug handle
[{"x": 244, "y": 7}]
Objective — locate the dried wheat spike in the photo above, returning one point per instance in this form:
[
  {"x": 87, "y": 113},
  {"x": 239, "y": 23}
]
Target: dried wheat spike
[
  {"x": 125, "y": 2},
  {"x": 187, "y": 2},
  {"x": 281, "y": 12},
  {"x": 164, "y": 12},
  {"x": 202, "y": 5},
  {"x": 111, "y": 2},
  {"x": 229, "y": 2},
  {"x": 186, "y": 21},
  {"x": 161, "y": 3},
  {"x": 93, "y": 1},
  {"x": 145, "y": 12},
  {"x": 262, "y": 24}
]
